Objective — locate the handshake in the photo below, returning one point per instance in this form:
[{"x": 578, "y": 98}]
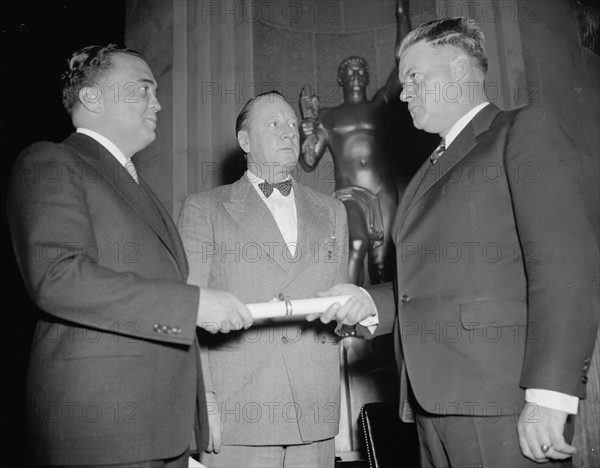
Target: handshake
[{"x": 226, "y": 310}]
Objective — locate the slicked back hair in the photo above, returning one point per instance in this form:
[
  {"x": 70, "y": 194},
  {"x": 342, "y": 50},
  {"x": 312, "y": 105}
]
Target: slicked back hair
[
  {"x": 241, "y": 122},
  {"x": 86, "y": 67},
  {"x": 462, "y": 33}
]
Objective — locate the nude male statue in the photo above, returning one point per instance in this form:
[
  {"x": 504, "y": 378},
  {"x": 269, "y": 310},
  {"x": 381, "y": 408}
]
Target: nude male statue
[{"x": 355, "y": 133}]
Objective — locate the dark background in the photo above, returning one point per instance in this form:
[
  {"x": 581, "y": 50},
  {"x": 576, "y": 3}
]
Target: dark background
[{"x": 36, "y": 39}]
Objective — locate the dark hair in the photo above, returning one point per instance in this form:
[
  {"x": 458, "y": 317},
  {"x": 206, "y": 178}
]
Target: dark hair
[
  {"x": 241, "y": 123},
  {"x": 349, "y": 60},
  {"x": 86, "y": 67},
  {"x": 462, "y": 33}
]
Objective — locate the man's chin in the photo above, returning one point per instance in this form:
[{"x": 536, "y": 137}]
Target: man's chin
[{"x": 417, "y": 123}]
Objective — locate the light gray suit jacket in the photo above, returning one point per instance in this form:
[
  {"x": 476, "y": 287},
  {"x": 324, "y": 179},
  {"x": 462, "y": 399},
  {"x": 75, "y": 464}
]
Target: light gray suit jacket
[{"x": 276, "y": 383}]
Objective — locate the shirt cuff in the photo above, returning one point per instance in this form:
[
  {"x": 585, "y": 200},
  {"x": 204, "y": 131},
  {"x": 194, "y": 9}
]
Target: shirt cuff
[
  {"x": 372, "y": 320},
  {"x": 551, "y": 399}
]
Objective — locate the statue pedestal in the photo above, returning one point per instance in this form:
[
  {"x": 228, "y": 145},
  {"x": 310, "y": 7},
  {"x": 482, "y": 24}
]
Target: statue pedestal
[{"x": 368, "y": 374}]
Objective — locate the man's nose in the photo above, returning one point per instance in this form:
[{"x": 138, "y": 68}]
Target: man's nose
[
  {"x": 408, "y": 92},
  {"x": 155, "y": 105}
]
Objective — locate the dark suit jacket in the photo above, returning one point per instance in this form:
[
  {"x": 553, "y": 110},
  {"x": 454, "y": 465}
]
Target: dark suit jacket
[
  {"x": 278, "y": 382},
  {"x": 113, "y": 375},
  {"x": 497, "y": 286}
]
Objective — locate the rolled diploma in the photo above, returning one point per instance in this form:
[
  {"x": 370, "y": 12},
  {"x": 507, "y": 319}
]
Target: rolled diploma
[{"x": 293, "y": 307}]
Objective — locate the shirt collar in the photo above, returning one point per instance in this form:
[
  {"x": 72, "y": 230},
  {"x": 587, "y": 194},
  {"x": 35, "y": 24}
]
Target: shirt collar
[
  {"x": 109, "y": 145},
  {"x": 462, "y": 123}
]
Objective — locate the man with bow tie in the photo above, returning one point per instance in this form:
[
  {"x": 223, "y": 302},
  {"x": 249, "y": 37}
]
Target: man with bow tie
[{"x": 274, "y": 393}]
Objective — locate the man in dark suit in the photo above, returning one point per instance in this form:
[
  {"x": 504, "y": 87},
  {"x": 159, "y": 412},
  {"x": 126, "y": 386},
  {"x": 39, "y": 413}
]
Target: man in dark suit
[
  {"x": 274, "y": 391},
  {"x": 496, "y": 306},
  {"x": 114, "y": 375}
]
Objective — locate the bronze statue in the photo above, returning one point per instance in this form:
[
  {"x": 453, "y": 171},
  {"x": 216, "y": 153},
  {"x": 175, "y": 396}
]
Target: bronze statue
[{"x": 355, "y": 133}]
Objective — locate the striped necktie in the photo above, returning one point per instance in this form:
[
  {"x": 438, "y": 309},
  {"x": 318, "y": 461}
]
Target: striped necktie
[
  {"x": 438, "y": 152},
  {"x": 131, "y": 169}
]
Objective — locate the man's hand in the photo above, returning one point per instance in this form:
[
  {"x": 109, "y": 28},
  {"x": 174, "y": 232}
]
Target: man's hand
[
  {"x": 214, "y": 423},
  {"x": 542, "y": 428},
  {"x": 222, "y": 311},
  {"x": 357, "y": 308}
]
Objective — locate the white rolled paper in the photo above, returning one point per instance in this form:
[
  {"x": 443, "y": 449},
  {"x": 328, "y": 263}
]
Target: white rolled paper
[{"x": 293, "y": 307}]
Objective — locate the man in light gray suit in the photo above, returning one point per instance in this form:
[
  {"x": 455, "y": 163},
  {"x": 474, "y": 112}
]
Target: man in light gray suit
[{"x": 273, "y": 393}]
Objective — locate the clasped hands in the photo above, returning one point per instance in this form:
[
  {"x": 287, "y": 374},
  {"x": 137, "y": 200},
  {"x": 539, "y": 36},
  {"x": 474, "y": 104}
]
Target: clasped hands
[
  {"x": 223, "y": 312},
  {"x": 356, "y": 309}
]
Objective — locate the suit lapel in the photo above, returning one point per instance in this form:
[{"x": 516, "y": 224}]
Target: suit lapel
[
  {"x": 140, "y": 197},
  {"x": 430, "y": 175},
  {"x": 252, "y": 215},
  {"x": 313, "y": 226},
  {"x": 172, "y": 239}
]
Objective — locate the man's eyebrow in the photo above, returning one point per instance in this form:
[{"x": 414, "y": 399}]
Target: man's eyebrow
[
  {"x": 148, "y": 81},
  {"x": 407, "y": 72}
]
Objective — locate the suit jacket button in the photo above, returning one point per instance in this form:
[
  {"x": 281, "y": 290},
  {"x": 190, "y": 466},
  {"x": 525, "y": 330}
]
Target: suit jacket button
[
  {"x": 405, "y": 299},
  {"x": 586, "y": 360},
  {"x": 157, "y": 327},
  {"x": 285, "y": 339},
  {"x": 584, "y": 379},
  {"x": 585, "y": 368},
  {"x": 166, "y": 329},
  {"x": 176, "y": 330}
]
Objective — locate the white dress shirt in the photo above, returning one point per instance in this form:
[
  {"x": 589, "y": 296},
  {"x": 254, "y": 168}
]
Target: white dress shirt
[
  {"x": 283, "y": 210},
  {"x": 111, "y": 147}
]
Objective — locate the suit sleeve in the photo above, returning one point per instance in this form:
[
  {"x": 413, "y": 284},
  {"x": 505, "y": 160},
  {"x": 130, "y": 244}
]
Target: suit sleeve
[
  {"x": 196, "y": 233},
  {"x": 197, "y": 236},
  {"x": 52, "y": 228},
  {"x": 560, "y": 252}
]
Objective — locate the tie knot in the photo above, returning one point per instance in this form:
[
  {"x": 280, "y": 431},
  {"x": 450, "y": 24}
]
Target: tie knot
[
  {"x": 438, "y": 151},
  {"x": 284, "y": 187}
]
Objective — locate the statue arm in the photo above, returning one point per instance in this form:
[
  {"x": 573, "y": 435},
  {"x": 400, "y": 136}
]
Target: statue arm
[
  {"x": 391, "y": 89},
  {"x": 313, "y": 140}
]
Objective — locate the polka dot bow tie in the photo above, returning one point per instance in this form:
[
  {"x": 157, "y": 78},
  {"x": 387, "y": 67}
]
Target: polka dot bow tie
[{"x": 284, "y": 187}]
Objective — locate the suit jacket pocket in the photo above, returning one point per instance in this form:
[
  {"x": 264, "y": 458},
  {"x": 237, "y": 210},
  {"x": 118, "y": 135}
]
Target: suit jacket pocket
[
  {"x": 98, "y": 343},
  {"x": 482, "y": 313}
]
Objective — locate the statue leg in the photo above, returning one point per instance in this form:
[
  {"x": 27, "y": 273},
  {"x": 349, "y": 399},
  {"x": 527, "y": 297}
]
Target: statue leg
[
  {"x": 359, "y": 242},
  {"x": 382, "y": 257}
]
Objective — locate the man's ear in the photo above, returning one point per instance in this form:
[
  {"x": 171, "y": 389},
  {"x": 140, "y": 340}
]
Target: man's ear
[
  {"x": 90, "y": 97},
  {"x": 460, "y": 67},
  {"x": 243, "y": 141}
]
